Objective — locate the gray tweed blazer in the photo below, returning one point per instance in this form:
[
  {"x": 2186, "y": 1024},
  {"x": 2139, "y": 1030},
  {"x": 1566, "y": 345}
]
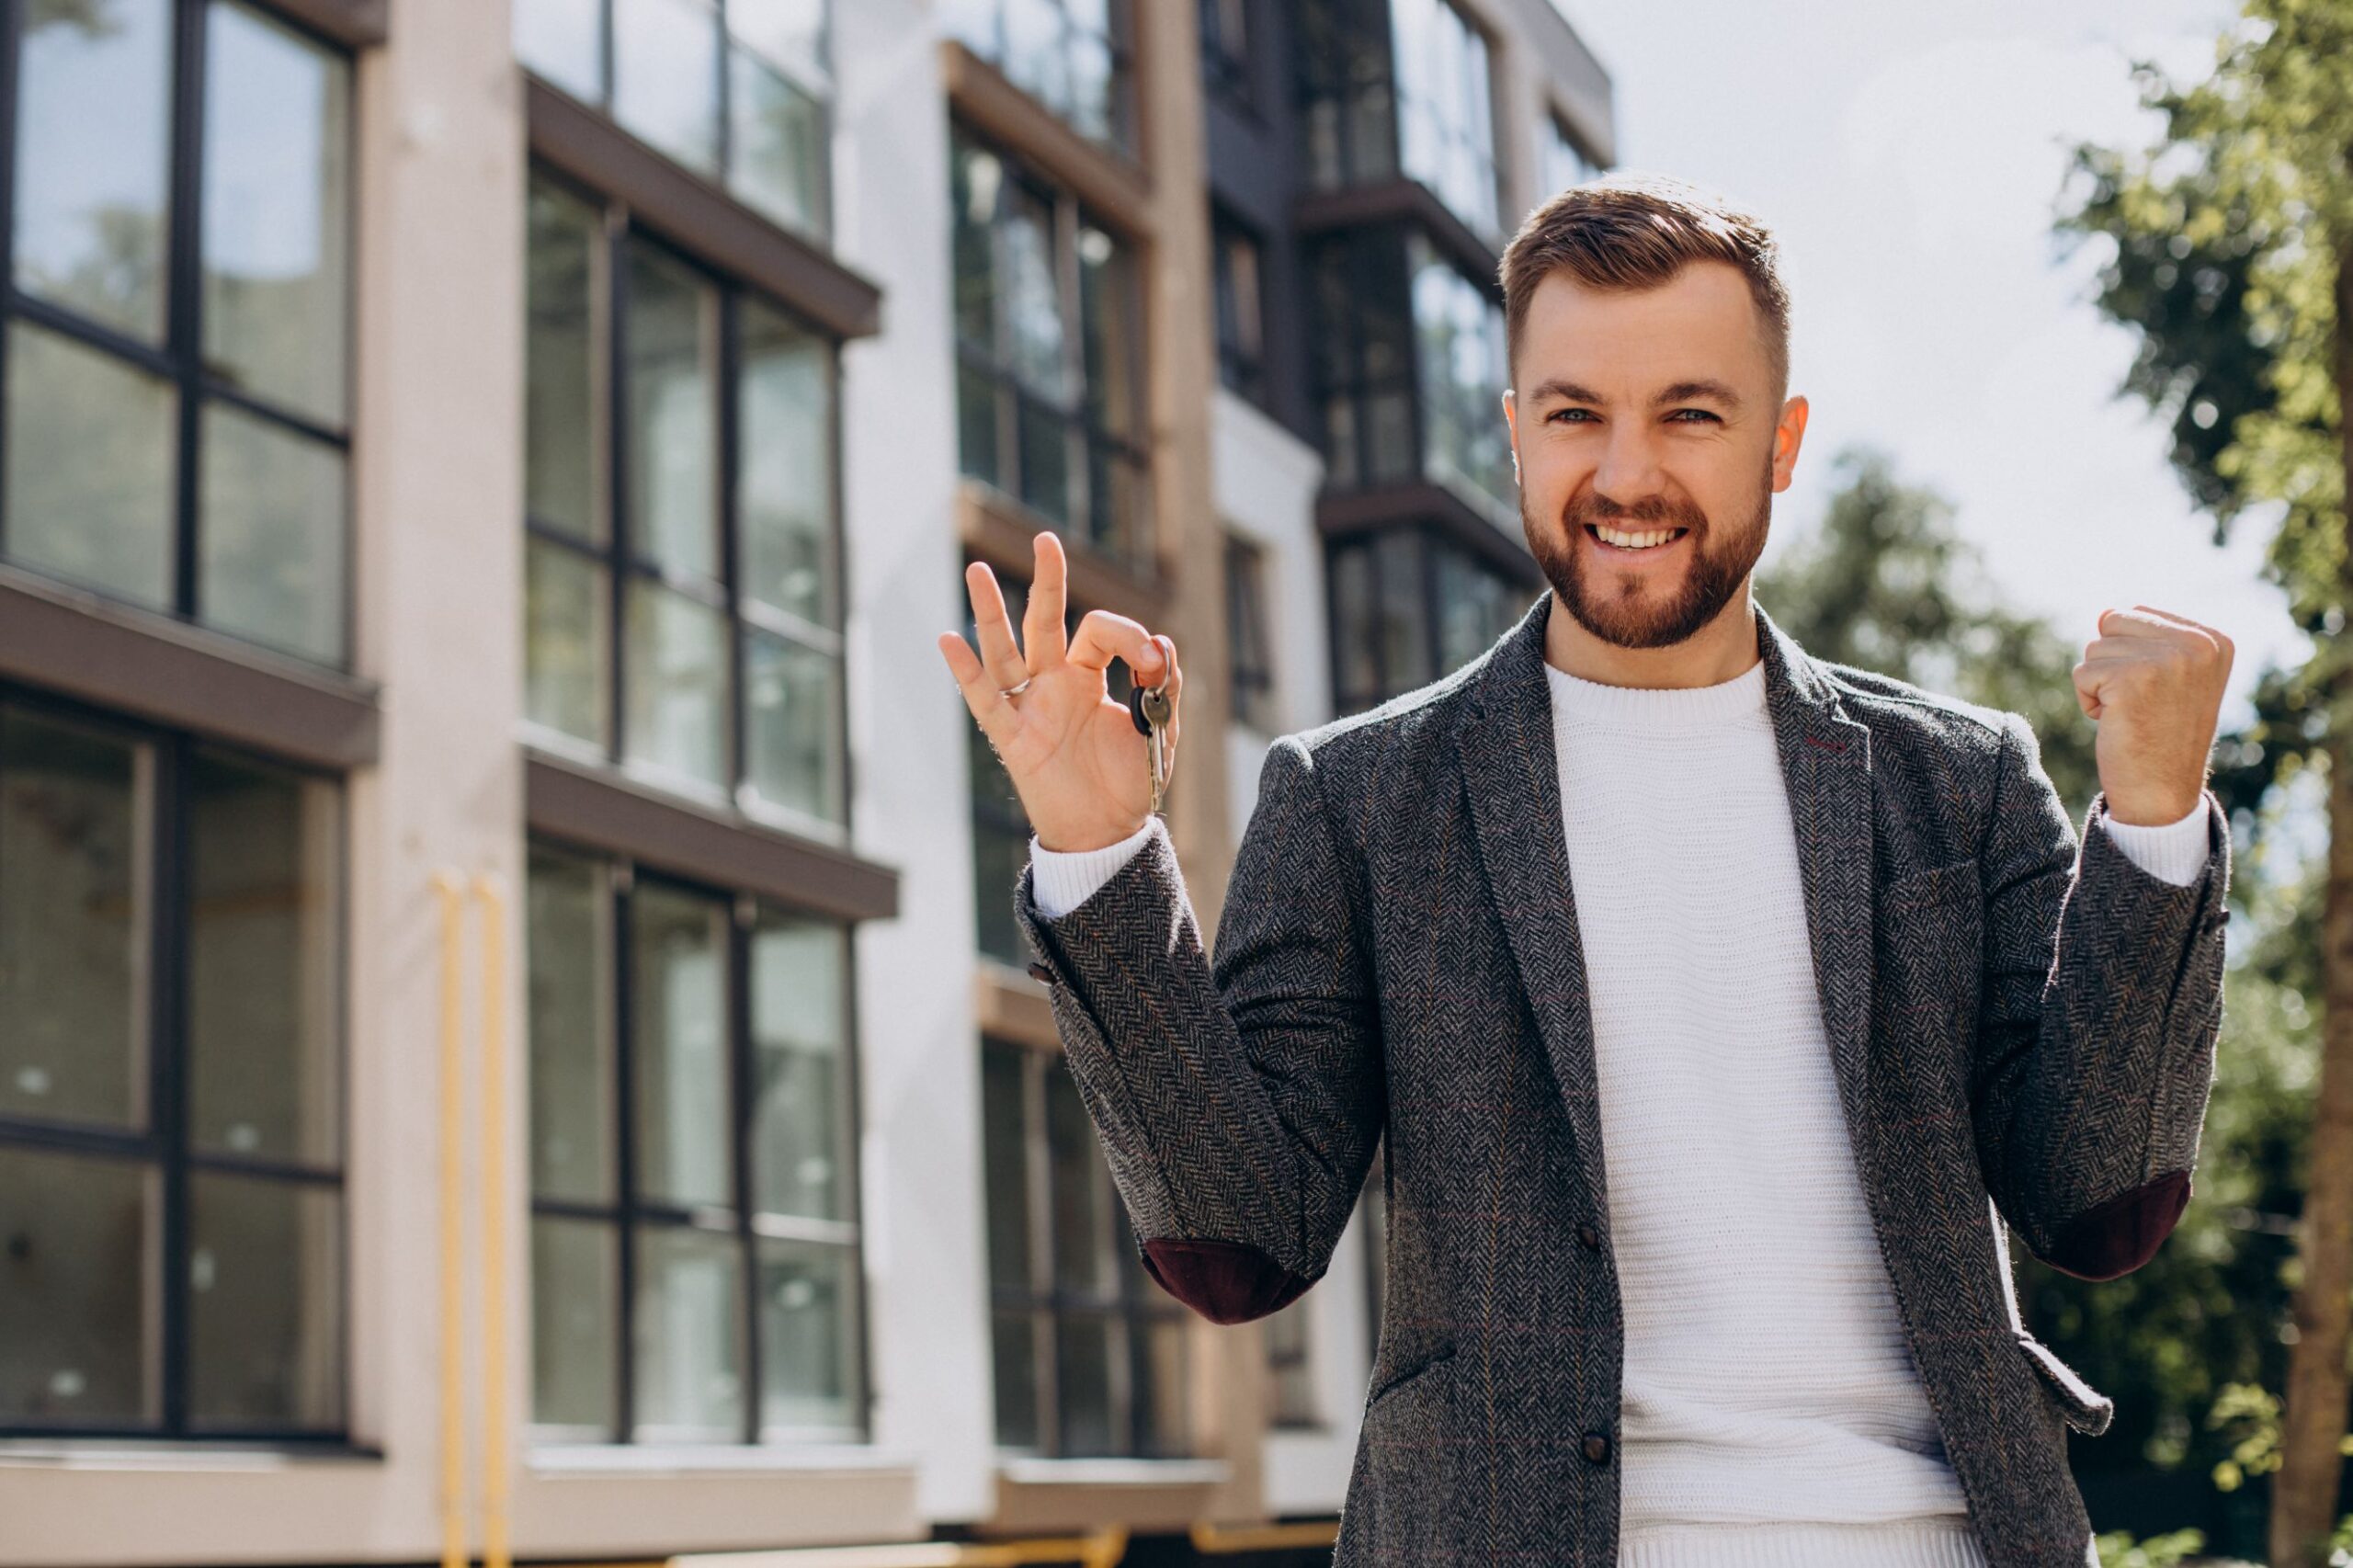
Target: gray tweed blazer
[{"x": 2022, "y": 1031}]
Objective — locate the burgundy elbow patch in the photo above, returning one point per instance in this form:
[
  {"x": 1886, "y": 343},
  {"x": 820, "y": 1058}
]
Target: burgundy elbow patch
[
  {"x": 1223, "y": 1281},
  {"x": 2124, "y": 1233}
]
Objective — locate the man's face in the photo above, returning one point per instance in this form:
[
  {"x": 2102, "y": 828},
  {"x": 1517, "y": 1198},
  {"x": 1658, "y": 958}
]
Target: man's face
[{"x": 1650, "y": 442}]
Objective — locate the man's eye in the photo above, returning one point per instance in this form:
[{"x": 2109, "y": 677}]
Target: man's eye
[
  {"x": 1702, "y": 413},
  {"x": 1579, "y": 413}
]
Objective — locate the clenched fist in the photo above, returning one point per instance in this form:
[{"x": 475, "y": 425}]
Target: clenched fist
[
  {"x": 2154, "y": 682},
  {"x": 1083, "y": 772}
]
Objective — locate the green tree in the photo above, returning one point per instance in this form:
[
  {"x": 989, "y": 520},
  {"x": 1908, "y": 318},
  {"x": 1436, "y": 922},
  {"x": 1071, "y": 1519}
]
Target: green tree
[{"x": 2234, "y": 260}]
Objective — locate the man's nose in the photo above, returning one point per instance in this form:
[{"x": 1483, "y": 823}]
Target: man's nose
[{"x": 1630, "y": 468}]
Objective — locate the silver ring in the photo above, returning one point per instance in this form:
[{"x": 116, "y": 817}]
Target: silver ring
[{"x": 1015, "y": 690}]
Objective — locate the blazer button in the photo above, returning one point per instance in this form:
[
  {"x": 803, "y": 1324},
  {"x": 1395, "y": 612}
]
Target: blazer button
[
  {"x": 1597, "y": 1447},
  {"x": 1590, "y": 1237},
  {"x": 1038, "y": 971}
]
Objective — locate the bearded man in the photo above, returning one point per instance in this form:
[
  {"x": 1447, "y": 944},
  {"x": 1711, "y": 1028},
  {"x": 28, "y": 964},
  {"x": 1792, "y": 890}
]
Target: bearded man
[{"x": 1724, "y": 1008}]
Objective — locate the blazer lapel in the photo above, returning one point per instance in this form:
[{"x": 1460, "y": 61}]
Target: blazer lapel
[{"x": 1511, "y": 773}]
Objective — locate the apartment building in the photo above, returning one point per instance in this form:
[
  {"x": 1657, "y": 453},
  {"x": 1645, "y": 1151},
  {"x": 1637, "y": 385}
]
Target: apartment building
[{"x": 512, "y": 1035}]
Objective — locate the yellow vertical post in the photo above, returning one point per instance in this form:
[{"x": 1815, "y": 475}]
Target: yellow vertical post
[
  {"x": 453, "y": 1301},
  {"x": 493, "y": 1223}
]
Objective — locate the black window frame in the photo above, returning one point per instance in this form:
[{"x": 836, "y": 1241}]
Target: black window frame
[
  {"x": 1227, "y": 30},
  {"x": 179, "y": 361},
  {"x": 1419, "y": 596},
  {"x": 1240, "y": 324},
  {"x": 1127, "y": 544},
  {"x": 1345, "y": 81},
  {"x": 1119, "y": 43},
  {"x": 164, "y": 1146},
  {"x": 1135, "y": 1301},
  {"x": 626, "y": 1214},
  {"x": 1249, "y": 634},
  {"x": 623, "y": 564},
  {"x": 813, "y": 79}
]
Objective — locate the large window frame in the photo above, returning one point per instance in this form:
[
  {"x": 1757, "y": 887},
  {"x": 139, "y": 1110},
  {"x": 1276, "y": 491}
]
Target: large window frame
[
  {"x": 1100, "y": 32},
  {"x": 798, "y": 79},
  {"x": 1447, "y": 126},
  {"x": 1407, "y": 605},
  {"x": 1097, "y": 413},
  {"x": 161, "y": 1136},
  {"x": 1237, "y": 294},
  {"x": 630, "y": 1217},
  {"x": 178, "y": 360},
  {"x": 1038, "y": 1317},
  {"x": 610, "y": 541}
]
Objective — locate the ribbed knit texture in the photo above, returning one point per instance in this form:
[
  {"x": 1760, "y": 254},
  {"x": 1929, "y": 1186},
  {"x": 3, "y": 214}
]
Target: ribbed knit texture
[{"x": 1768, "y": 1384}]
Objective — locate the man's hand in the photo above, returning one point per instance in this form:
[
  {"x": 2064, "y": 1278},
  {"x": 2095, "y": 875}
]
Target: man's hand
[
  {"x": 1082, "y": 771},
  {"x": 2154, "y": 682}
]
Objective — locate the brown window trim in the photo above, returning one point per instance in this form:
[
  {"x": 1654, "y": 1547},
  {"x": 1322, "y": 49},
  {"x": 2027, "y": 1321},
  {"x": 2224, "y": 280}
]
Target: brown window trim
[
  {"x": 1012, "y": 1006},
  {"x": 355, "y": 24},
  {"x": 153, "y": 667},
  {"x": 597, "y": 808},
  {"x": 1353, "y": 512},
  {"x": 984, "y": 97},
  {"x": 697, "y": 215},
  {"x": 1408, "y": 200},
  {"x": 997, "y": 529}
]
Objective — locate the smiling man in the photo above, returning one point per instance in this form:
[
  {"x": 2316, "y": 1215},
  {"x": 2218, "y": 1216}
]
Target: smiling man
[{"x": 1724, "y": 1008}]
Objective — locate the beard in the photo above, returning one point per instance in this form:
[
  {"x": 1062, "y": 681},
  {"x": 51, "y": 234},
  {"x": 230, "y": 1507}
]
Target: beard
[{"x": 1616, "y": 607}]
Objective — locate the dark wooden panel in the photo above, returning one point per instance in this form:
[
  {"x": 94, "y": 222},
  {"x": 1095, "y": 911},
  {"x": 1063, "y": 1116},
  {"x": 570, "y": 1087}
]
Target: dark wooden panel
[
  {"x": 601, "y": 810},
  {"x": 137, "y": 662},
  {"x": 698, "y": 216}
]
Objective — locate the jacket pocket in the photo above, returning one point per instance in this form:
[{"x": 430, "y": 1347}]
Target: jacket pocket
[
  {"x": 2088, "y": 1410},
  {"x": 1933, "y": 886},
  {"x": 1406, "y": 1374}
]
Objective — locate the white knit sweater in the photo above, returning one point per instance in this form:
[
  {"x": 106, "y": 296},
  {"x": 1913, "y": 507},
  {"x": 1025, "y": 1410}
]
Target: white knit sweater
[{"x": 1771, "y": 1412}]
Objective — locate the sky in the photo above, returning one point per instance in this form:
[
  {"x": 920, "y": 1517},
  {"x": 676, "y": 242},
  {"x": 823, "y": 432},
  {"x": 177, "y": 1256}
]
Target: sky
[{"x": 1910, "y": 158}]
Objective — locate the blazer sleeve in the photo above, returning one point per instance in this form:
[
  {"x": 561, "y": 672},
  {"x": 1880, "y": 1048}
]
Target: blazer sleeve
[
  {"x": 2101, "y": 1001},
  {"x": 1238, "y": 1100}
]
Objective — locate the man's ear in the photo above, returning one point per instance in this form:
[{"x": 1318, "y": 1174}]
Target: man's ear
[
  {"x": 1511, "y": 425},
  {"x": 1789, "y": 435}
]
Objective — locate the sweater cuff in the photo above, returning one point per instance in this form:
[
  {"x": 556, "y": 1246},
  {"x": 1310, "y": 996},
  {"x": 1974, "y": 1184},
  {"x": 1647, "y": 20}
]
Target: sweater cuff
[
  {"x": 2175, "y": 851},
  {"x": 1063, "y": 880}
]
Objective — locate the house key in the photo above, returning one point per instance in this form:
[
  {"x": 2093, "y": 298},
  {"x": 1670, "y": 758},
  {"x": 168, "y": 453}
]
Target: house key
[{"x": 1148, "y": 706}]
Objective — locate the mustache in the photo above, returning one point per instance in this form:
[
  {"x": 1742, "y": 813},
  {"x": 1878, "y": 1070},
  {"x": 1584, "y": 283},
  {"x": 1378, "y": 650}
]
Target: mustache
[{"x": 1655, "y": 509}]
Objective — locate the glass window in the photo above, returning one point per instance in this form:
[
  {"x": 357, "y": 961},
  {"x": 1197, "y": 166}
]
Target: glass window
[
  {"x": 1565, "y": 162},
  {"x": 98, "y": 377},
  {"x": 741, "y": 1324},
  {"x": 1225, "y": 50},
  {"x": 1466, "y": 444},
  {"x": 1291, "y": 1369},
  {"x": 1240, "y": 311},
  {"x": 739, "y": 91},
  {"x": 1249, "y": 646},
  {"x": 1346, "y": 101},
  {"x": 698, "y": 637},
  {"x": 1089, "y": 1357},
  {"x": 1364, "y": 358},
  {"x": 1409, "y": 606},
  {"x": 1050, "y": 334},
  {"x": 1445, "y": 120},
  {"x": 1073, "y": 56},
  {"x": 171, "y": 913}
]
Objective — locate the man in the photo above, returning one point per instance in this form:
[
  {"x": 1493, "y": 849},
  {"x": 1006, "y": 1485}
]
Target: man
[{"x": 1721, "y": 1005}]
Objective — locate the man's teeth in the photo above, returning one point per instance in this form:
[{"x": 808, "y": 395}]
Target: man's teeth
[{"x": 1635, "y": 541}]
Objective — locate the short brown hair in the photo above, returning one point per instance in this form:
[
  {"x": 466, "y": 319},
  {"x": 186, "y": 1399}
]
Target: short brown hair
[{"x": 1628, "y": 231}]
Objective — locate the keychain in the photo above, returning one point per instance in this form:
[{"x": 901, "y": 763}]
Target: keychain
[{"x": 1148, "y": 706}]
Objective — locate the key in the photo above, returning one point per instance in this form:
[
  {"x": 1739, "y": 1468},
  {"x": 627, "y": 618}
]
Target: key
[{"x": 1148, "y": 706}]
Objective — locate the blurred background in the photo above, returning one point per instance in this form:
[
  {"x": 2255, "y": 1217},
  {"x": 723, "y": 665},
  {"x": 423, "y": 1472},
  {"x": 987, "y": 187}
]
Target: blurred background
[{"x": 512, "y": 1037}]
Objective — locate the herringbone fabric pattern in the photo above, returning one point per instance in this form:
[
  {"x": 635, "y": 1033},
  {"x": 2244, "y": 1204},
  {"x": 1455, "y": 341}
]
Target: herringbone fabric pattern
[{"x": 2019, "y": 1032}]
